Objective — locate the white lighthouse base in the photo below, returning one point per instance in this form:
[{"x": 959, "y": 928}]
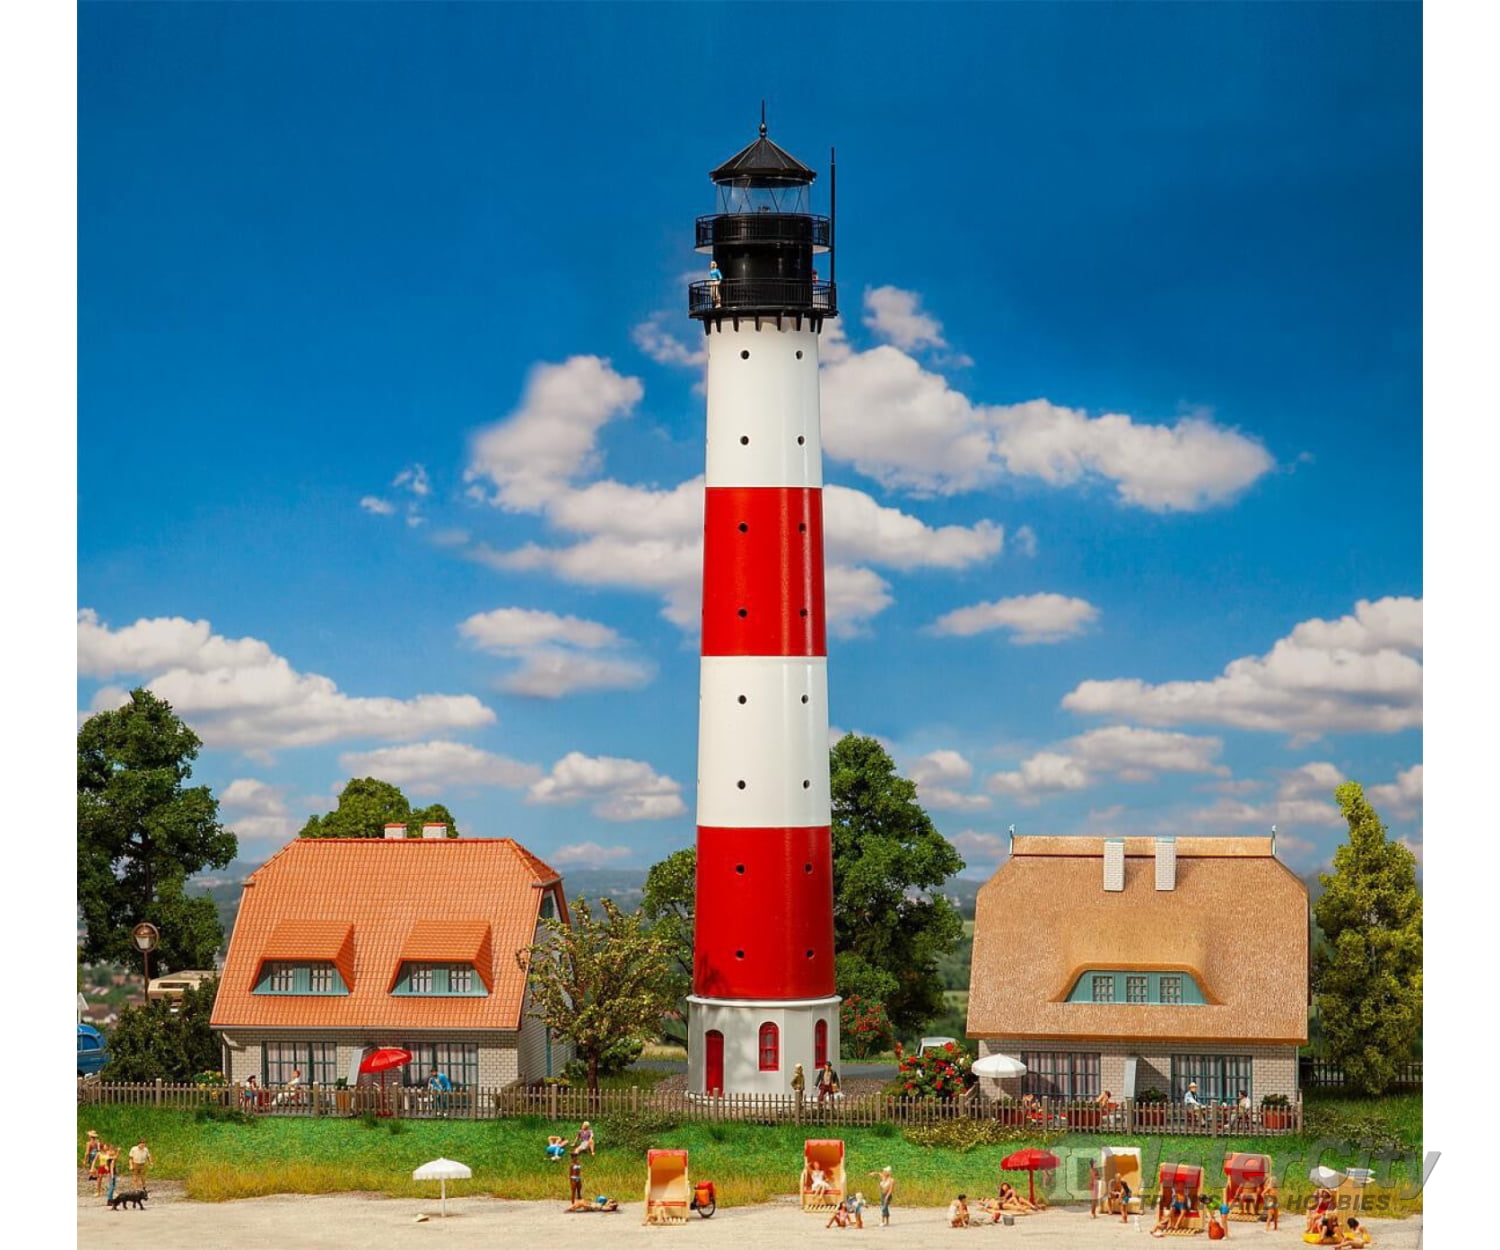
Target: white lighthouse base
[{"x": 736, "y": 1058}]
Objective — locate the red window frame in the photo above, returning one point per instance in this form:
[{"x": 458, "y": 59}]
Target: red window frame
[
  {"x": 820, "y": 1043},
  {"x": 770, "y": 1047}
]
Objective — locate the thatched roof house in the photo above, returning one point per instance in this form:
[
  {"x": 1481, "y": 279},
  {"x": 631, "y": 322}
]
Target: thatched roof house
[{"x": 1188, "y": 956}]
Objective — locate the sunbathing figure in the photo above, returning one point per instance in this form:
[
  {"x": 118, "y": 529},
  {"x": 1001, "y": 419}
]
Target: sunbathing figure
[
  {"x": 1010, "y": 1200},
  {"x": 555, "y": 1147},
  {"x": 992, "y": 1208},
  {"x": 840, "y": 1217}
]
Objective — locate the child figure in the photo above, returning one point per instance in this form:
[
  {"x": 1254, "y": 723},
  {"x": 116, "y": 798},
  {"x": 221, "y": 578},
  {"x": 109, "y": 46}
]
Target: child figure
[
  {"x": 856, "y": 1206},
  {"x": 556, "y": 1147},
  {"x": 1270, "y": 1203},
  {"x": 958, "y": 1212}
]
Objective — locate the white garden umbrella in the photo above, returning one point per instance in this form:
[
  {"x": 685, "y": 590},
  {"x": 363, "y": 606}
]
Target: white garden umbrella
[
  {"x": 998, "y": 1066},
  {"x": 443, "y": 1171},
  {"x": 1326, "y": 1178}
]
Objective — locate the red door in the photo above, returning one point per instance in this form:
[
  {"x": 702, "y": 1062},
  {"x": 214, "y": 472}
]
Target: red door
[{"x": 713, "y": 1062}]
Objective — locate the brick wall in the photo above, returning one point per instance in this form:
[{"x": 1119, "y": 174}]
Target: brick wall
[{"x": 1274, "y": 1067}]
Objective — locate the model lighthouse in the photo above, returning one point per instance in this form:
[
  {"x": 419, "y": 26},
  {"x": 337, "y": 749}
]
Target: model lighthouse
[{"x": 763, "y": 982}]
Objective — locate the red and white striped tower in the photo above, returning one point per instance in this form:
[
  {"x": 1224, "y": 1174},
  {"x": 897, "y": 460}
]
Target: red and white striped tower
[{"x": 763, "y": 983}]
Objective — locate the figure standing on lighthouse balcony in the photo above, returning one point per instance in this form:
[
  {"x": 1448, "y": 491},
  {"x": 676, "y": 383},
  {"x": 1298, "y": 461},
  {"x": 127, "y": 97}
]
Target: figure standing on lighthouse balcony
[{"x": 763, "y": 995}]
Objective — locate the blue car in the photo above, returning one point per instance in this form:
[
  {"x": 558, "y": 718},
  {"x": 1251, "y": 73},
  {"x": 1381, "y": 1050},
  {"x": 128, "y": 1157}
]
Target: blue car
[{"x": 93, "y": 1054}]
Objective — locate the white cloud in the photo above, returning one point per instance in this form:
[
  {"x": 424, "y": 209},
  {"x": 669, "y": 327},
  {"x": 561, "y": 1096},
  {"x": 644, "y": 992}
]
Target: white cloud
[
  {"x": 859, "y": 529},
  {"x": 237, "y": 693},
  {"x": 939, "y": 776},
  {"x": 618, "y": 789},
  {"x": 1024, "y": 541},
  {"x": 1121, "y": 752},
  {"x": 507, "y": 631},
  {"x": 532, "y": 454},
  {"x": 550, "y": 650},
  {"x": 430, "y": 767},
  {"x": 380, "y": 507},
  {"x": 256, "y": 811},
  {"x": 894, "y": 316},
  {"x": 908, "y": 429},
  {"x": 659, "y": 343},
  {"x": 413, "y": 479},
  {"x": 1030, "y": 618},
  {"x": 981, "y": 850},
  {"x": 1361, "y": 673},
  {"x": 587, "y": 855},
  {"x": 1400, "y": 799}
]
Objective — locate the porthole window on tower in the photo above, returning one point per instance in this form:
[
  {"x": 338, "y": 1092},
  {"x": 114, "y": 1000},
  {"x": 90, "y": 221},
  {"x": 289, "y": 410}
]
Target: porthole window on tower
[{"x": 745, "y": 355}]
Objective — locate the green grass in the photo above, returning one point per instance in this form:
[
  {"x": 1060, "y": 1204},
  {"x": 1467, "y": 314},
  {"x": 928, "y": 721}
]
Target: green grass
[{"x": 749, "y": 1163}]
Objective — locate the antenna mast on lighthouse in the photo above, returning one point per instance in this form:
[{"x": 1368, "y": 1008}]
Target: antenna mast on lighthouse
[{"x": 763, "y": 982}]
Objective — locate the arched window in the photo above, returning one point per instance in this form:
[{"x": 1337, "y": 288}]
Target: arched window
[
  {"x": 770, "y": 1047},
  {"x": 820, "y": 1043}
]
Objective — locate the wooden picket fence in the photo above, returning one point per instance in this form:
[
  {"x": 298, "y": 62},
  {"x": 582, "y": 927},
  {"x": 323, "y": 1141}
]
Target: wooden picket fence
[{"x": 555, "y": 1103}]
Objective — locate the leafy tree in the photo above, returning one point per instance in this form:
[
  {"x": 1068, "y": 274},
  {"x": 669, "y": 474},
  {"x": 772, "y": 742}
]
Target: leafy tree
[
  {"x": 366, "y": 805},
  {"x": 864, "y": 1027},
  {"x": 887, "y": 859},
  {"x": 155, "y": 1041},
  {"x": 1368, "y": 976},
  {"x": 599, "y": 981},
  {"x": 668, "y": 905},
  {"x": 141, "y": 833}
]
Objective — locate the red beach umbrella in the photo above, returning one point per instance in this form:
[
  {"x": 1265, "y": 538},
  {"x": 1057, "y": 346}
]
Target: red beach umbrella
[
  {"x": 1030, "y": 1160},
  {"x": 382, "y": 1061}
]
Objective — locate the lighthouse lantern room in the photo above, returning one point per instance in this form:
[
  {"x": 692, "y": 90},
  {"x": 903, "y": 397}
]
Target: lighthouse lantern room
[{"x": 763, "y": 973}]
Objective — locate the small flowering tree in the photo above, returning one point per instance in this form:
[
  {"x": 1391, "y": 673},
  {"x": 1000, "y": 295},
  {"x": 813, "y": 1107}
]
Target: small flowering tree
[
  {"x": 864, "y": 1028},
  {"x": 941, "y": 1073}
]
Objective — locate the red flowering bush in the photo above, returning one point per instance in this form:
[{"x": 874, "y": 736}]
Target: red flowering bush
[
  {"x": 940, "y": 1073},
  {"x": 864, "y": 1028}
]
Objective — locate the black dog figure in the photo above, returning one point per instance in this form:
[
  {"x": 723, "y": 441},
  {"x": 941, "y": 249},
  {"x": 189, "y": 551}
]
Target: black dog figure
[{"x": 129, "y": 1197}]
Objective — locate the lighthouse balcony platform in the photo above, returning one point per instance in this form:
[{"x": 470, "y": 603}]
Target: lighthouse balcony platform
[
  {"x": 762, "y": 297},
  {"x": 729, "y": 229}
]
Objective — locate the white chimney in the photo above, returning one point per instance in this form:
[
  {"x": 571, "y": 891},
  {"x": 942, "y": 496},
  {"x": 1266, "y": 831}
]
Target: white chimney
[
  {"x": 1114, "y": 864},
  {"x": 435, "y": 831},
  {"x": 1166, "y": 863},
  {"x": 395, "y": 831}
]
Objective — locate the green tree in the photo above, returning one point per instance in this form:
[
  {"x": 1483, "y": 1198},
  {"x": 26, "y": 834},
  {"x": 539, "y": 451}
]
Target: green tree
[
  {"x": 888, "y": 859},
  {"x": 366, "y": 805},
  {"x": 598, "y": 982},
  {"x": 141, "y": 833},
  {"x": 667, "y": 905},
  {"x": 154, "y": 1041},
  {"x": 1368, "y": 975}
]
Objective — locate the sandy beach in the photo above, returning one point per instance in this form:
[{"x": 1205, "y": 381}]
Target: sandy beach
[{"x": 357, "y": 1221}]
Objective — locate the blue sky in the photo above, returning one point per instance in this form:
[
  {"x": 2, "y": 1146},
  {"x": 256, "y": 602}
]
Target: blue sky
[{"x": 389, "y": 428}]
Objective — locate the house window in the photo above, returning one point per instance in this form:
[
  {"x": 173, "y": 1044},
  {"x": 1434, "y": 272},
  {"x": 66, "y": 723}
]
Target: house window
[
  {"x": 280, "y": 977},
  {"x": 438, "y": 980},
  {"x": 549, "y": 906},
  {"x": 1104, "y": 989},
  {"x": 820, "y": 1043},
  {"x": 1171, "y": 989},
  {"x": 1219, "y": 1077},
  {"x": 316, "y": 1061},
  {"x": 1060, "y": 1074},
  {"x": 1137, "y": 989},
  {"x": 770, "y": 1047},
  {"x": 1102, "y": 985},
  {"x": 459, "y": 1060}
]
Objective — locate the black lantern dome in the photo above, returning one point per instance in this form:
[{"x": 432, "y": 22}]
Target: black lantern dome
[{"x": 763, "y": 240}]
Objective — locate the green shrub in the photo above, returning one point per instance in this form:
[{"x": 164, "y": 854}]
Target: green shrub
[
  {"x": 963, "y": 1136},
  {"x": 864, "y": 1028},
  {"x": 616, "y": 1058},
  {"x": 942, "y": 1073},
  {"x": 636, "y": 1130},
  {"x": 223, "y": 1115},
  {"x": 395, "y": 1127}
]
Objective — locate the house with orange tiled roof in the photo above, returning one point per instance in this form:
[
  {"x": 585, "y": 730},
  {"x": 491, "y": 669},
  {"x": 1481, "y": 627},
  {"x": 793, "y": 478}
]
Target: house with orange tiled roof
[
  {"x": 1135, "y": 964},
  {"x": 345, "y": 945}
]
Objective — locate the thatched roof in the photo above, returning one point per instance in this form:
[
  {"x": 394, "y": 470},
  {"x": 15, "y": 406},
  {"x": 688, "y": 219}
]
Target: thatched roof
[{"x": 1236, "y": 920}]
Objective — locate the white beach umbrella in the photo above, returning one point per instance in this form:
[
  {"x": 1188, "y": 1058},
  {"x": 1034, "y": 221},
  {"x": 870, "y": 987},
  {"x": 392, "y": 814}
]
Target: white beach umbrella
[
  {"x": 1326, "y": 1178},
  {"x": 443, "y": 1171},
  {"x": 998, "y": 1066}
]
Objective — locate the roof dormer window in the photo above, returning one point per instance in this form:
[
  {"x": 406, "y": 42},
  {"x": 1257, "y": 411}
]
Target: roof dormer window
[
  {"x": 307, "y": 976},
  {"x": 1135, "y": 987},
  {"x": 438, "y": 980}
]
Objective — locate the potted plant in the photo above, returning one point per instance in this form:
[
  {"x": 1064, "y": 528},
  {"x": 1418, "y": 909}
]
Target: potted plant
[
  {"x": 1276, "y": 1111},
  {"x": 1151, "y": 1109},
  {"x": 1083, "y": 1113}
]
